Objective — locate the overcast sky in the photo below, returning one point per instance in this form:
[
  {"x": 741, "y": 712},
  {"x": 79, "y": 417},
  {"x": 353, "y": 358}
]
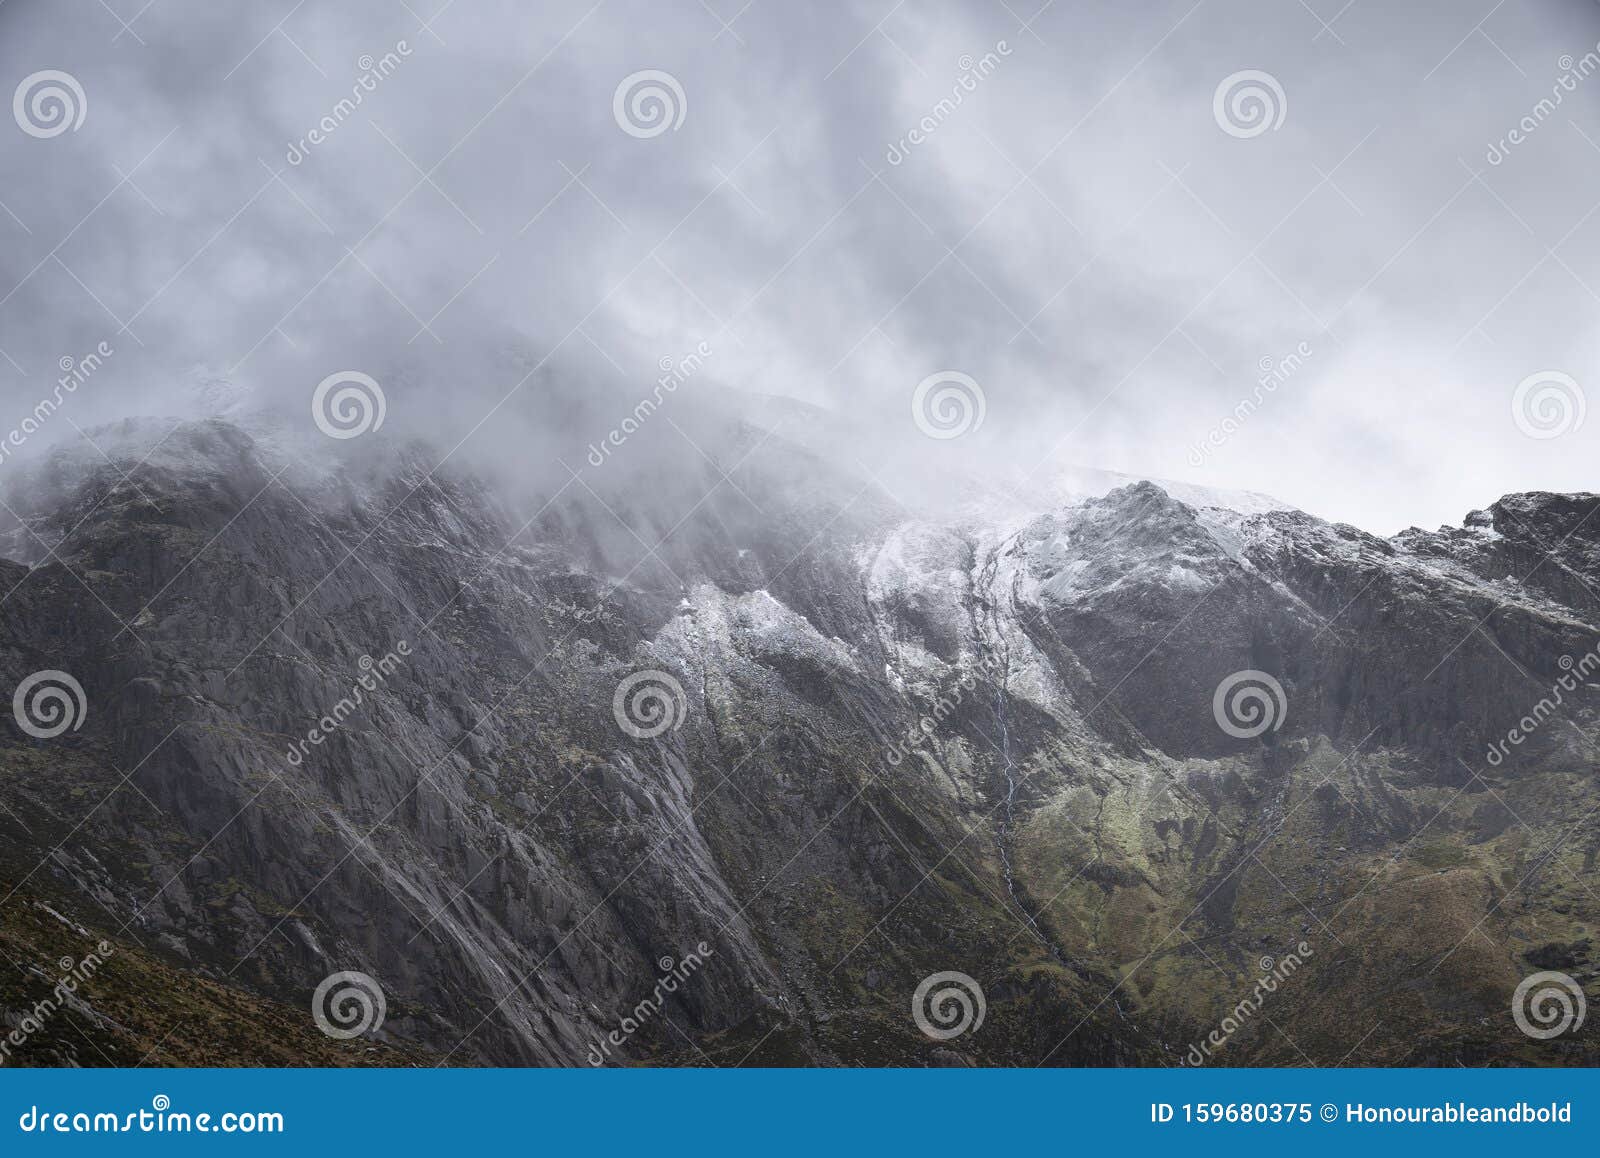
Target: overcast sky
[{"x": 1081, "y": 234}]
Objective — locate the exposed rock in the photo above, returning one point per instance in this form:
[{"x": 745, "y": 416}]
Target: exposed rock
[{"x": 341, "y": 724}]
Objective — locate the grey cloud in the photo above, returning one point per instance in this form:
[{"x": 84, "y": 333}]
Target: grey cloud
[{"x": 1123, "y": 264}]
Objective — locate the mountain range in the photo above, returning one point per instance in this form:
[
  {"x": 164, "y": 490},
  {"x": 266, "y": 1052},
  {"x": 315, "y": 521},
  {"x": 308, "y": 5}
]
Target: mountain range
[{"x": 788, "y": 730}]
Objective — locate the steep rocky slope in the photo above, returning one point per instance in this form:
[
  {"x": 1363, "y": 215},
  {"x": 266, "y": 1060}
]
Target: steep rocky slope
[{"x": 904, "y": 745}]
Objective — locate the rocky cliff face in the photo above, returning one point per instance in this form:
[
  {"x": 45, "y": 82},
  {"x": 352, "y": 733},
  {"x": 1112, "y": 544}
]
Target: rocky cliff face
[{"x": 806, "y": 743}]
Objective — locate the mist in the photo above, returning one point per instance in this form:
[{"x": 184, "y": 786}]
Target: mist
[{"x": 1335, "y": 307}]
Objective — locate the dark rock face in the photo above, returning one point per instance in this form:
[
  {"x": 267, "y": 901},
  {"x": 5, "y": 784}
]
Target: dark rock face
[{"x": 334, "y": 727}]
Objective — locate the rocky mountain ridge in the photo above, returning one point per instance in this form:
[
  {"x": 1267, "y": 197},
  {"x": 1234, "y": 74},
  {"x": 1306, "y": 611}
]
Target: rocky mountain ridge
[{"x": 897, "y": 746}]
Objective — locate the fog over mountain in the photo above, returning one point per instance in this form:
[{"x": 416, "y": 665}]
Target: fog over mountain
[{"x": 1077, "y": 235}]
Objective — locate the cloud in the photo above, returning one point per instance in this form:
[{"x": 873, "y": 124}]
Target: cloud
[{"x": 1076, "y": 232}]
